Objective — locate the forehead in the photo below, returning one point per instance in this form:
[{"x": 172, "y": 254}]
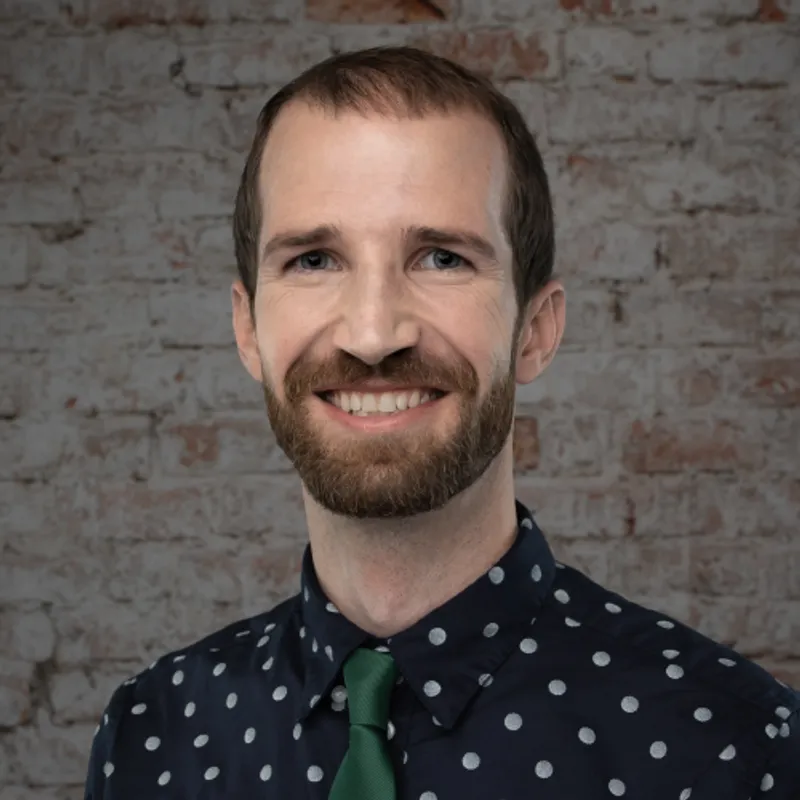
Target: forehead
[{"x": 373, "y": 170}]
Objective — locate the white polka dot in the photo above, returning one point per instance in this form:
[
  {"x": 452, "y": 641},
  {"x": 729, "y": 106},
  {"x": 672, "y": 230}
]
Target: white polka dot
[
  {"x": 728, "y": 753},
  {"x": 727, "y": 662},
  {"x": 249, "y": 735},
  {"x": 405, "y": 757},
  {"x": 513, "y": 722},
  {"x": 613, "y": 608},
  {"x": 485, "y": 680},
  {"x": 557, "y": 687},
  {"x": 702, "y": 714},
  {"x": 561, "y": 596},
  {"x": 528, "y": 646},
  {"x": 314, "y": 773},
  {"x": 471, "y": 761},
  {"x": 526, "y": 523},
  {"x": 163, "y": 778},
  {"x": 658, "y": 749},
  {"x": 496, "y": 575},
  {"x": 544, "y": 769},
  {"x": 390, "y": 730},
  {"x": 671, "y": 653},
  {"x": 331, "y": 608},
  {"x": 96, "y": 729},
  {"x": 491, "y": 629},
  {"x": 431, "y": 688},
  {"x": 428, "y": 796},
  {"x": 784, "y": 731},
  {"x": 139, "y": 708},
  {"x": 381, "y": 648},
  {"x": 297, "y": 731},
  {"x": 314, "y": 646},
  {"x": 270, "y": 626},
  {"x": 302, "y": 632},
  {"x": 616, "y": 787},
  {"x": 268, "y": 664},
  {"x": 771, "y": 731},
  {"x": 230, "y": 700},
  {"x": 339, "y": 694},
  {"x": 262, "y": 641},
  {"x": 177, "y": 678},
  {"x": 201, "y": 740},
  {"x": 218, "y": 670},
  {"x": 437, "y": 636},
  {"x": 178, "y": 658},
  {"x": 329, "y": 652},
  {"x": 152, "y": 743},
  {"x": 571, "y": 623},
  {"x": 211, "y": 773},
  {"x": 306, "y": 594},
  {"x": 587, "y": 736},
  {"x": 686, "y": 794},
  {"x": 536, "y": 573},
  {"x": 601, "y": 658},
  {"x": 767, "y": 782},
  {"x": 189, "y": 710},
  {"x": 266, "y": 772},
  {"x": 783, "y": 712},
  {"x": 630, "y": 704},
  {"x": 436, "y": 722},
  {"x": 674, "y": 671},
  {"x": 279, "y": 693},
  {"x": 313, "y": 701},
  {"x": 213, "y": 649},
  {"x": 108, "y": 769},
  {"x": 666, "y": 624},
  {"x": 240, "y": 634}
]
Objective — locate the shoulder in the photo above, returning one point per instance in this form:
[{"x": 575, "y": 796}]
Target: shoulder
[{"x": 750, "y": 716}]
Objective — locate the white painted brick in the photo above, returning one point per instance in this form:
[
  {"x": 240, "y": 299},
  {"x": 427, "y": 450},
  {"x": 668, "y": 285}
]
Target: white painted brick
[
  {"x": 619, "y": 251},
  {"x": 37, "y": 199},
  {"x": 27, "y": 635},
  {"x": 114, "y": 13},
  {"x": 763, "y": 116},
  {"x": 742, "y": 55},
  {"x": 15, "y": 698},
  {"x": 14, "y": 260},
  {"x": 594, "y": 52},
  {"x": 192, "y": 316},
  {"x": 81, "y": 695},
  {"x": 620, "y": 113},
  {"x": 247, "y": 58}
]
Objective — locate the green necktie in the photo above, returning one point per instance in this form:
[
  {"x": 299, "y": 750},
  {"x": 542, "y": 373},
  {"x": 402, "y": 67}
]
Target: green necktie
[{"x": 366, "y": 772}]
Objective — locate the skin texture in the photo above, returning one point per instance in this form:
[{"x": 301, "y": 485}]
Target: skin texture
[{"x": 400, "y": 518}]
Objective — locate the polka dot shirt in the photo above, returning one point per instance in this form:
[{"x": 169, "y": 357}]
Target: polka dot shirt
[{"x": 533, "y": 682}]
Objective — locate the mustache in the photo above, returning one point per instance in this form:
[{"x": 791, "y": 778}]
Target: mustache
[{"x": 407, "y": 367}]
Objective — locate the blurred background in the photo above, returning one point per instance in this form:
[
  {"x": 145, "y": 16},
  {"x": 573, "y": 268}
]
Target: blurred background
[{"x": 143, "y": 502}]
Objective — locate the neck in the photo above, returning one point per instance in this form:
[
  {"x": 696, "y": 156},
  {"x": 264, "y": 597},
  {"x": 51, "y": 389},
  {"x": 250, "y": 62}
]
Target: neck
[{"x": 385, "y": 575}]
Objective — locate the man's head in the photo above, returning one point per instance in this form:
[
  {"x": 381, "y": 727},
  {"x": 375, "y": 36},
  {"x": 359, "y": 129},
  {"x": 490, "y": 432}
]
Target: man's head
[{"x": 394, "y": 241}]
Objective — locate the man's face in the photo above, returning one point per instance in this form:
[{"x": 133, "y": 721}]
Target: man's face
[{"x": 385, "y": 327}]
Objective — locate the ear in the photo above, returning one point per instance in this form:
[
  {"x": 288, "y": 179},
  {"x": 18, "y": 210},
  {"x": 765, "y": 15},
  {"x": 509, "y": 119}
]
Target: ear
[
  {"x": 541, "y": 331},
  {"x": 244, "y": 329}
]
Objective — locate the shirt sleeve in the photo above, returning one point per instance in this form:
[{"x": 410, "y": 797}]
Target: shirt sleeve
[
  {"x": 781, "y": 779},
  {"x": 101, "y": 765}
]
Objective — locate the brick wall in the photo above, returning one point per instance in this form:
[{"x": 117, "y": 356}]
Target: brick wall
[{"x": 143, "y": 501}]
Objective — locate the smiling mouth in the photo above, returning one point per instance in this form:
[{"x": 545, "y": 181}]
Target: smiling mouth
[{"x": 365, "y": 404}]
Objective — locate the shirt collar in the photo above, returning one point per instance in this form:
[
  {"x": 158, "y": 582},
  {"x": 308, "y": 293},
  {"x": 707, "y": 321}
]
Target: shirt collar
[{"x": 452, "y": 652}]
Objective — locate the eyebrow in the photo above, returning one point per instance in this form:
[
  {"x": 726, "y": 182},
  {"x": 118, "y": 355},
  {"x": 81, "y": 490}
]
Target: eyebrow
[{"x": 413, "y": 234}]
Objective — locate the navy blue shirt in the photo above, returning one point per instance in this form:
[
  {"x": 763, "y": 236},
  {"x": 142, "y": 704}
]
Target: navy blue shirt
[{"x": 534, "y": 682}]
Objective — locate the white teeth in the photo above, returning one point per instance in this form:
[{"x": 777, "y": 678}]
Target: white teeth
[{"x": 382, "y": 403}]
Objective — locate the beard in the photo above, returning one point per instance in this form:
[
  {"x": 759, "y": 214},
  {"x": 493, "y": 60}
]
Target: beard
[{"x": 396, "y": 474}]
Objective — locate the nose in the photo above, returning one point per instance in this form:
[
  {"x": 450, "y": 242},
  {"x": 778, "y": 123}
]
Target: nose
[{"x": 377, "y": 318}]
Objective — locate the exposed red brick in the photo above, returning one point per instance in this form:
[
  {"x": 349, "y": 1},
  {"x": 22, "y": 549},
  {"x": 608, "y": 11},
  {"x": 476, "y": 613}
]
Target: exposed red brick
[
  {"x": 378, "y": 11},
  {"x": 770, "y": 11},
  {"x": 526, "y": 444},
  {"x": 200, "y": 443}
]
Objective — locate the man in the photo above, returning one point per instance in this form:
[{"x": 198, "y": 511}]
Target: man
[{"x": 394, "y": 239}]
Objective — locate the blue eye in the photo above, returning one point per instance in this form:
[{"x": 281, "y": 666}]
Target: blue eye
[
  {"x": 444, "y": 260},
  {"x": 312, "y": 261}
]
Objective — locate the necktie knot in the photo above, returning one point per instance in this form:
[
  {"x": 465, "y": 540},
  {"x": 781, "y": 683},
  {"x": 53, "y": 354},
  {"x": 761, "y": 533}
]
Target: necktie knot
[{"x": 369, "y": 677}]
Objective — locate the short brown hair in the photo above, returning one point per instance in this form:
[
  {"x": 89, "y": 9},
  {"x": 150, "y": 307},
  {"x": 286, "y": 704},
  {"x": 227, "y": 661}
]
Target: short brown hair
[{"x": 409, "y": 82}]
